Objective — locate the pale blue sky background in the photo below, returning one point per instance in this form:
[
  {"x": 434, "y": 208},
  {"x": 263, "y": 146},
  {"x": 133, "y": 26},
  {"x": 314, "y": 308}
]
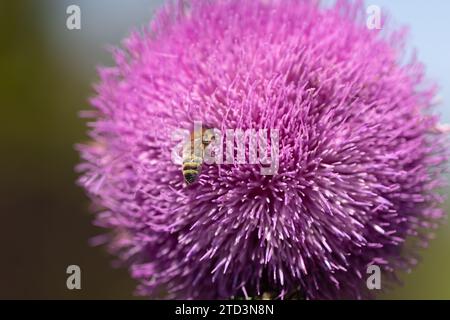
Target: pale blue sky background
[
  {"x": 429, "y": 22},
  {"x": 108, "y": 21}
]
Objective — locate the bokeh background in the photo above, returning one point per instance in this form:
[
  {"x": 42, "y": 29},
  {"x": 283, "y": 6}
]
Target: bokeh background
[{"x": 46, "y": 73}]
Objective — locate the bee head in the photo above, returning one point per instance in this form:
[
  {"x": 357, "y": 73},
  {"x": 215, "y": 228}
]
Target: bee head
[{"x": 208, "y": 136}]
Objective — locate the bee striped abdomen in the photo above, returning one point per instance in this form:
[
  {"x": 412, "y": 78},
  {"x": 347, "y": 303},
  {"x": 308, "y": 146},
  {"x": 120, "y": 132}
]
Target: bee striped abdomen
[{"x": 191, "y": 169}]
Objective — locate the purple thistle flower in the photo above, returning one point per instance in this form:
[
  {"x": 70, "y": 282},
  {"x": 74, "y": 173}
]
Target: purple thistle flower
[{"x": 361, "y": 158}]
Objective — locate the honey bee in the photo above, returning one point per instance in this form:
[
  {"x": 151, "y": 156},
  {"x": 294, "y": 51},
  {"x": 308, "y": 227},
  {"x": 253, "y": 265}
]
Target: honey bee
[{"x": 193, "y": 152}]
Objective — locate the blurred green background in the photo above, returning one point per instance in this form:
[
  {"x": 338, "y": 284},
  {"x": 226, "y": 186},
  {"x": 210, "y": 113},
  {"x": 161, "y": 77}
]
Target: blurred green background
[{"x": 46, "y": 73}]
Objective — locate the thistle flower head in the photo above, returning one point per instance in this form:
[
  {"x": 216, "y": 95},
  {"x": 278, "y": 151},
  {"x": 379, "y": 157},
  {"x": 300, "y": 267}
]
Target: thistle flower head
[{"x": 360, "y": 159}]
